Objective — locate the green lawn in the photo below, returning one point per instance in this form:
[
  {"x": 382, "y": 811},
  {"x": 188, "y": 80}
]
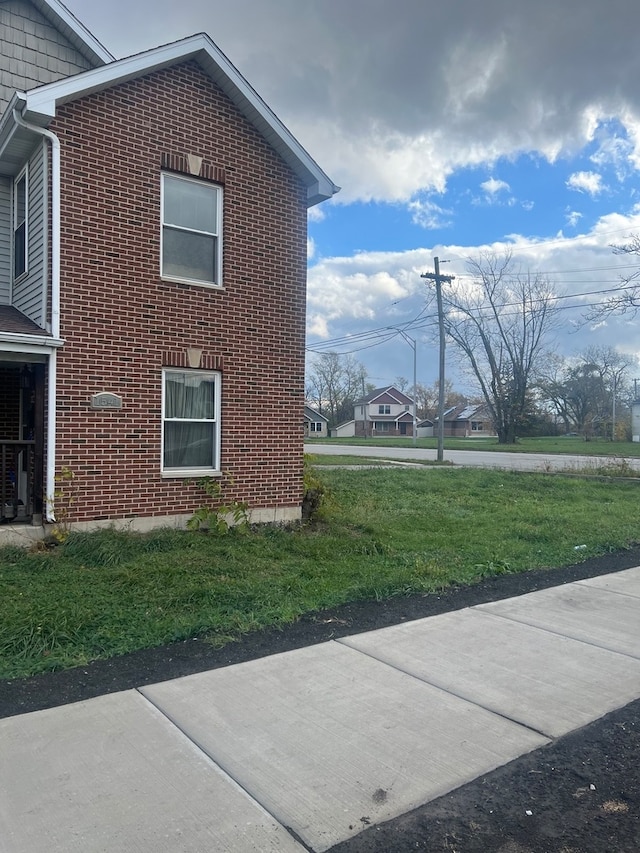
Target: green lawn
[
  {"x": 546, "y": 444},
  {"x": 384, "y": 532}
]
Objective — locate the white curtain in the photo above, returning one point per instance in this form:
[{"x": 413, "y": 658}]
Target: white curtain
[{"x": 189, "y": 431}]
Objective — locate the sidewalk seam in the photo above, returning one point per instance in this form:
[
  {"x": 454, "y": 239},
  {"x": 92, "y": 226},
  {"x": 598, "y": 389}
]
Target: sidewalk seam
[
  {"x": 223, "y": 769},
  {"x": 435, "y": 684}
]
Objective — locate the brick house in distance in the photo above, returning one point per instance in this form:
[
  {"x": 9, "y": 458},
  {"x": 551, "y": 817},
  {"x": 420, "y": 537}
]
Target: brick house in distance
[
  {"x": 152, "y": 278},
  {"x": 383, "y": 412}
]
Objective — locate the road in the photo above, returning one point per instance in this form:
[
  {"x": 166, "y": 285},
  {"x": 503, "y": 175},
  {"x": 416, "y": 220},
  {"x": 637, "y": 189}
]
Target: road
[{"x": 475, "y": 458}]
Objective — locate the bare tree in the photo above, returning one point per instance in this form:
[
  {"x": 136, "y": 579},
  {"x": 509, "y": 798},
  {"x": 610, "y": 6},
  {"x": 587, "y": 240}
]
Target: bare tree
[
  {"x": 584, "y": 391},
  {"x": 499, "y": 324},
  {"x": 334, "y": 383},
  {"x": 427, "y": 398},
  {"x": 626, "y": 297}
]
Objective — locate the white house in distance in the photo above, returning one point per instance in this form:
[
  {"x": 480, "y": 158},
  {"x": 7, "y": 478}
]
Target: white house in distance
[
  {"x": 383, "y": 412},
  {"x": 316, "y": 425}
]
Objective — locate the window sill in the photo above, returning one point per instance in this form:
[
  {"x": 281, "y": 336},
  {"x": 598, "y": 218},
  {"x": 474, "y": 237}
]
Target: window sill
[
  {"x": 181, "y": 473},
  {"x": 210, "y": 285}
]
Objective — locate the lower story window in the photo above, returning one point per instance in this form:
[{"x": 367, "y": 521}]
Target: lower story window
[
  {"x": 190, "y": 422},
  {"x": 316, "y": 427}
]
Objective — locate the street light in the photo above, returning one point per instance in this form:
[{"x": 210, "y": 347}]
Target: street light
[{"x": 412, "y": 344}]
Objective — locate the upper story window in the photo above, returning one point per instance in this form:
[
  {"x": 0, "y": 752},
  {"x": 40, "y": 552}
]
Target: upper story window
[
  {"x": 20, "y": 225},
  {"x": 384, "y": 409},
  {"x": 191, "y": 230}
]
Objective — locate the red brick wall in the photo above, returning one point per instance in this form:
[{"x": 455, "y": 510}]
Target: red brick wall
[{"x": 121, "y": 323}]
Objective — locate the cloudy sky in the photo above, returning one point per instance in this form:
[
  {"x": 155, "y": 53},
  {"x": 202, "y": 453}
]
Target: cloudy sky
[{"x": 452, "y": 128}]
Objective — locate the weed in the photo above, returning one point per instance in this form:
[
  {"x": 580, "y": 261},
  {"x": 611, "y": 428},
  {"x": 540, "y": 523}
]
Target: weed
[
  {"x": 218, "y": 519},
  {"x": 493, "y": 567},
  {"x": 64, "y": 498},
  {"x": 315, "y": 490}
]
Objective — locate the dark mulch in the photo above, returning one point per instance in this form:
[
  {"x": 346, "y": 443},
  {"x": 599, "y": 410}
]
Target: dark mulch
[{"x": 581, "y": 794}]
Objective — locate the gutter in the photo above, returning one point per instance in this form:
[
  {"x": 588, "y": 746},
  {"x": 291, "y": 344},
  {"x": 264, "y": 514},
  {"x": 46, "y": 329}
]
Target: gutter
[{"x": 50, "y": 475}]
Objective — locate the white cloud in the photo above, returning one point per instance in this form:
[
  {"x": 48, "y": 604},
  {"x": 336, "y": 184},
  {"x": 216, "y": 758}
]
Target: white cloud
[
  {"x": 586, "y": 182},
  {"x": 493, "y": 186},
  {"x": 317, "y": 213},
  {"x": 311, "y": 248},
  {"x": 573, "y": 217},
  {"x": 428, "y": 214}
]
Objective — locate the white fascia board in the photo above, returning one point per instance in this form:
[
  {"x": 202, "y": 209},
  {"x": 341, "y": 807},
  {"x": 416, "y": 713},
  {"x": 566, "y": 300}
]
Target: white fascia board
[
  {"x": 74, "y": 30},
  {"x": 42, "y": 102},
  {"x": 38, "y": 344}
]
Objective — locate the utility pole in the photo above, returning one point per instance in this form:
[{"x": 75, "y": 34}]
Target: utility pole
[{"x": 435, "y": 276}]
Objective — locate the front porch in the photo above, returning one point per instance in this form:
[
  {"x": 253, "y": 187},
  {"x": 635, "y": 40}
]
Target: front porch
[{"x": 21, "y": 442}]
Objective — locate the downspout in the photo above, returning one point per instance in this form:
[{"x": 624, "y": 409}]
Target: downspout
[{"x": 55, "y": 307}]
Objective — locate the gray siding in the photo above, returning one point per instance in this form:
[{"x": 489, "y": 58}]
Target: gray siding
[
  {"x": 29, "y": 293},
  {"x": 5, "y": 240},
  {"x": 32, "y": 51}
]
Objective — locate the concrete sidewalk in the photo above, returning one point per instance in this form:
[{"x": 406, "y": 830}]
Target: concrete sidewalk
[{"x": 305, "y": 749}]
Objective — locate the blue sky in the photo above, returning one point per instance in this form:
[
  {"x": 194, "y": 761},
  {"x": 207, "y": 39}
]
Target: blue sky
[{"x": 453, "y": 129}]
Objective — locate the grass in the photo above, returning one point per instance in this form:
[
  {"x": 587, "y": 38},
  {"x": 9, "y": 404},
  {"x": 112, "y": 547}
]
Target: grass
[
  {"x": 384, "y": 532},
  {"x": 547, "y": 444}
]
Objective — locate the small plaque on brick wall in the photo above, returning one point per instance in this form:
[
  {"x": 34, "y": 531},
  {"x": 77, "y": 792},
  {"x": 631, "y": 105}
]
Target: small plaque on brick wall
[{"x": 105, "y": 400}]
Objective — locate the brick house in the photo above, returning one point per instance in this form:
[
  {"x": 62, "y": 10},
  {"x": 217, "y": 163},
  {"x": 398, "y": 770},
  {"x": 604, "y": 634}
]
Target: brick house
[
  {"x": 468, "y": 422},
  {"x": 383, "y": 412},
  {"x": 152, "y": 278}
]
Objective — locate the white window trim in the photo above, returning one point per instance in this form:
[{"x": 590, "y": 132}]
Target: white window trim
[
  {"x": 24, "y": 173},
  {"x": 193, "y": 472},
  {"x": 217, "y": 285}
]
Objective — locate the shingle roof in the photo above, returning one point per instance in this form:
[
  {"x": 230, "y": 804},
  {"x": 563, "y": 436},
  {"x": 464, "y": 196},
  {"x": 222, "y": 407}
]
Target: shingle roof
[{"x": 12, "y": 320}]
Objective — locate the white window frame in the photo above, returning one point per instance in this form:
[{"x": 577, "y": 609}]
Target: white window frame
[
  {"x": 215, "y": 188},
  {"x": 192, "y": 472},
  {"x": 384, "y": 408},
  {"x": 22, "y": 176}
]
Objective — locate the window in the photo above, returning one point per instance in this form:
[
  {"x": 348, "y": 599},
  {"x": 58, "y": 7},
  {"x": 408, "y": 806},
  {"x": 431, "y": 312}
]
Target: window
[
  {"x": 381, "y": 426},
  {"x": 316, "y": 426},
  {"x": 190, "y": 422},
  {"x": 384, "y": 409},
  {"x": 191, "y": 230},
  {"x": 477, "y": 426},
  {"x": 20, "y": 225}
]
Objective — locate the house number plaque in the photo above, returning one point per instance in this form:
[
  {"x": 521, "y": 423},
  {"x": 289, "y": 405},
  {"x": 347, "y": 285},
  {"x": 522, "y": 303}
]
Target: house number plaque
[{"x": 105, "y": 400}]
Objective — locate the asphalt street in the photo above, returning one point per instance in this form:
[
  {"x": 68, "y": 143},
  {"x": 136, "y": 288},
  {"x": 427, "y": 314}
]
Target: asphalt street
[{"x": 474, "y": 458}]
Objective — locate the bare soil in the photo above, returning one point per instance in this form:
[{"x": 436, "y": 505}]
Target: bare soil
[{"x": 580, "y": 794}]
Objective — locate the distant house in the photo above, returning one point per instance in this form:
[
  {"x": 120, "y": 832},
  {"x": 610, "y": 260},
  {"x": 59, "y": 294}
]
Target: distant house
[
  {"x": 425, "y": 428},
  {"x": 344, "y": 430},
  {"x": 467, "y": 422},
  {"x": 383, "y": 412},
  {"x": 316, "y": 425}
]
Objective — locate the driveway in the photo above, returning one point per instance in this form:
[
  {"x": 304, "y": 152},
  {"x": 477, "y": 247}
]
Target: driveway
[{"x": 475, "y": 458}]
